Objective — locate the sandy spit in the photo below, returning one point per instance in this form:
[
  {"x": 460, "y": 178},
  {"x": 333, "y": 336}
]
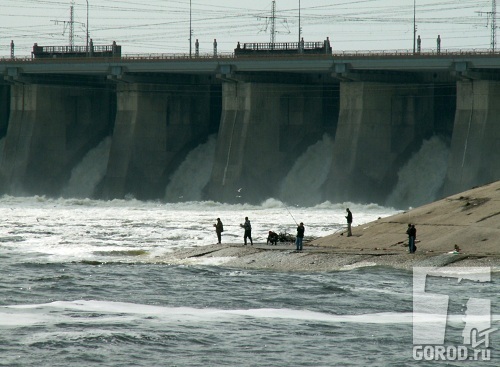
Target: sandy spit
[{"x": 470, "y": 220}]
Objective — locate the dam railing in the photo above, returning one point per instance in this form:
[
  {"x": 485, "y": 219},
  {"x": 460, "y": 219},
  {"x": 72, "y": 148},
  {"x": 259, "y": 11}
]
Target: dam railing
[{"x": 368, "y": 54}]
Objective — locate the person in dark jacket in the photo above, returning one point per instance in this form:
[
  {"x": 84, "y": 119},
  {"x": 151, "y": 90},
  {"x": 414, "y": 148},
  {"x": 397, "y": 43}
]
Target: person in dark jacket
[
  {"x": 248, "y": 231},
  {"x": 349, "y": 222},
  {"x": 409, "y": 239},
  {"x": 300, "y": 236},
  {"x": 412, "y": 236},
  {"x": 272, "y": 237},
  {"x": 219, "y": 228}
]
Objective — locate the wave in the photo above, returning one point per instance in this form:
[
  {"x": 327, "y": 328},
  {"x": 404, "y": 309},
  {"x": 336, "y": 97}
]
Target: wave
[
  {"x": 42, "y": 312},
  {"x": 187, "y": 313},
  {"x": 270, "y": 203}
]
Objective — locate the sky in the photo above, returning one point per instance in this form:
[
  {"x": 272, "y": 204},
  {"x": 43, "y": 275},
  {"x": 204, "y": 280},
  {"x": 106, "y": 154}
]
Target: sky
[{"x": 163, "y": 26}]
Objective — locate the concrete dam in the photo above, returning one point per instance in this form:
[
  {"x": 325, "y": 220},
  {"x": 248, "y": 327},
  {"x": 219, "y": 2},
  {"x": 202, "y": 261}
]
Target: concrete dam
[{"x": 327, "y": 127}]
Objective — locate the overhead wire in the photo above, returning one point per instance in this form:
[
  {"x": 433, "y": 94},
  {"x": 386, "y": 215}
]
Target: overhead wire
[{"x": 244, "y": 21}]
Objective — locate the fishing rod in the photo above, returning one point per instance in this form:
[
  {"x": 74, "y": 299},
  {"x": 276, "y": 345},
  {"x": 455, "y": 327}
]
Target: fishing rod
[{"x": 289, "y": 213}]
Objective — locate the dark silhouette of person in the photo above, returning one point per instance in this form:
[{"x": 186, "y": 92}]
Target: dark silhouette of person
[
  {"x": 300, "y": 236},
  {"x": 408, "y": 231},
  {"x": 272, "y": 238},
  {"x": 412, "y": 236},
  {"x": 219, "y": 228},
  {"x": 349, "y": 222},
  {"x": 248, "y": 231}
]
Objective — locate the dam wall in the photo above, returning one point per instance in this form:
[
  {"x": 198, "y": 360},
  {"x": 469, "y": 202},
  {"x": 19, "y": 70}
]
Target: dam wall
[
  {"x": 50, "y": 128},
  {"x": 380, "y": 125},
  {"x": 155, "y": 127},
  {"x": 264, "y": 128},
  {"x": 475, "y": 145}
]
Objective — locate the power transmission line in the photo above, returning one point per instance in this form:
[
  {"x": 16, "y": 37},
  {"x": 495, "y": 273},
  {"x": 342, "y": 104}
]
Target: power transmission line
[
  {"x": 70, "y": 25},
  {"x": 492, "y": 19}
]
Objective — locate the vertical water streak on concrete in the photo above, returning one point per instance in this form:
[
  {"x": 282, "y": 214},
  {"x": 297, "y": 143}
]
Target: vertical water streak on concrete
[
  {"x": 229, "y": 149},
  {"x": 156, "y": 126},
  {"x": 380, "y": 126},
  {"x": 475, "y": 153},
  {"x": 121, "y": 147}
]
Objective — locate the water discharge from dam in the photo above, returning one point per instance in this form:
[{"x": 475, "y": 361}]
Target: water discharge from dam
[
  {"x": 421, "y": 179},
  {"x": 89, "y": 172},
  {"x": 302, "y": 185},
  {"x": 188, "y": 181}
]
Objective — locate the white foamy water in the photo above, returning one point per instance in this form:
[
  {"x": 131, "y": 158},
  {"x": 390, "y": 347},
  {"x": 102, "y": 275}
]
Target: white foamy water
[
  {"x": 85, "y": 229},
  {"x": 421, "y": 178},
  {"x": 40, "y": 314}
]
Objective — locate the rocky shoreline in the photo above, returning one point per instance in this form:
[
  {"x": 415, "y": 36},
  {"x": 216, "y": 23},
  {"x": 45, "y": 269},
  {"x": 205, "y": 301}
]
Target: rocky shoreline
[{"x": 470, "y": 220}]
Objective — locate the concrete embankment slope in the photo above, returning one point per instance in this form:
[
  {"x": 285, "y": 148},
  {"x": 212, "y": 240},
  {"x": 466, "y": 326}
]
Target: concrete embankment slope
[{"x": 470, "y": 219}]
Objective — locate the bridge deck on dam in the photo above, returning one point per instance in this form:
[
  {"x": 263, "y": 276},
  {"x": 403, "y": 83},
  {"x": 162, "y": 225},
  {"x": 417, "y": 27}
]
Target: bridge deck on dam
[{"x": 164, "y": 63}]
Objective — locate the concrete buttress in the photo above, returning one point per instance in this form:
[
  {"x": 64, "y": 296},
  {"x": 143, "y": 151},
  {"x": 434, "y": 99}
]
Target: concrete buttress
[
  {"x": 264, "y": 129},
  {"x": 4, "y": 108},
  {"x": 50, "y": 129},
  {"x": 380, "y": 125},
  {"x": 475, "y": 145},
  {"x": 155, "y": 127}
]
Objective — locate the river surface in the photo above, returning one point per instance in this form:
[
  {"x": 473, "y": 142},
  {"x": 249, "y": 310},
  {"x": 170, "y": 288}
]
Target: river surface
[{"x": 81, "y": 285}]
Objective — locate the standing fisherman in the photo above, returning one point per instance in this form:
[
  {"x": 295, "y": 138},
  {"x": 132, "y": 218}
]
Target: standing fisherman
[
  {"x": 413, "y": 238},
  {"x": 248, "y": 231},
  {"x": 408, "y": 232},
  {"x": 300, "y": 236},
  {"x": 219, "y": 228},
  {"x": 349, "y": 222}
]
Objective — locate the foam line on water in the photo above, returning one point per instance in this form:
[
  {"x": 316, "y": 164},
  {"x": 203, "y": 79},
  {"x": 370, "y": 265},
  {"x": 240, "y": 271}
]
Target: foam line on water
[{"x": 38, "y": 313}]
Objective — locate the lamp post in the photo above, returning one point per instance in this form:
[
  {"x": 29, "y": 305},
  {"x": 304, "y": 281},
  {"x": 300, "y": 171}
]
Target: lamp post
[
  {"x": 299, "y": 23},
  {"x": 88, "y": 51},
  {"x": 414, "y": 25},
  {"x": 190, "y": 30}
]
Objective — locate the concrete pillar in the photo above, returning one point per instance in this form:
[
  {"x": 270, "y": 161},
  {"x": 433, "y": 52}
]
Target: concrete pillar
[
  {"x": 380, "y": 125},
  {"x": 50, "y": 129},
  {"x": 155, "y": 127},
  {"x": 4, "y": 109},
  {"x": 475, "y": 153},
  {"x": 264, "y": 129}
]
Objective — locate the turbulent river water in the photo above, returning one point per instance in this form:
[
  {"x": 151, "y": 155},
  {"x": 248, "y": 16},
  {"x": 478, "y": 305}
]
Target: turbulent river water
[{"x": 82, "y": 283}]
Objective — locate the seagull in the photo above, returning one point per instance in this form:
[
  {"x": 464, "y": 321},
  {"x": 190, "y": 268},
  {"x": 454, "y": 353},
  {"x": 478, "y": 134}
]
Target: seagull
[{"x": 239, "y": 190}]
